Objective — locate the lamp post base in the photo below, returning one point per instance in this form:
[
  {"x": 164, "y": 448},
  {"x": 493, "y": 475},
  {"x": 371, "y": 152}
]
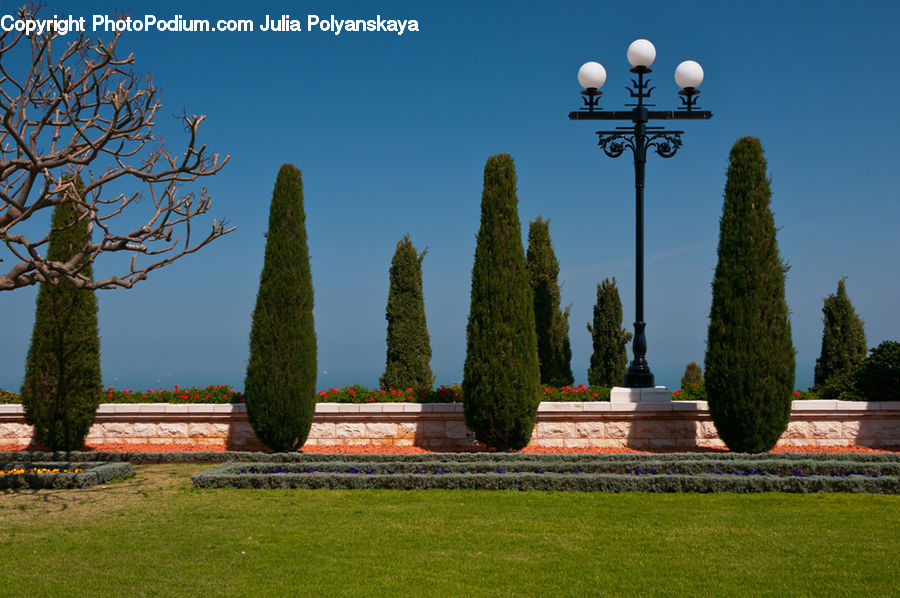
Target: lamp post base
[{"x": 638, "y": 378}]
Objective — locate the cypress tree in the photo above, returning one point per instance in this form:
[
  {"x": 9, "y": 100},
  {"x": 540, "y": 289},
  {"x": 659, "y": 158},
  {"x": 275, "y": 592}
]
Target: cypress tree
[
  {"x": 408, "y": 343},
  {"x": 749, "y": 353},
  {"x": 280, "y": 386},
  {"x": 501, "y": 376},
  {"x": 692, "y": 375},
  {"x": 609, "y": 359},
  {"x": 843, "y": 340},
  {"x": 62, "y": 385},
  {"x": 551, "y": 324}
]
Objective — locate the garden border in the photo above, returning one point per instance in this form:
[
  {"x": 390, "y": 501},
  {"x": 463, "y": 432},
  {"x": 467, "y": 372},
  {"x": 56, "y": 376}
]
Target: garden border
[
  {"x": 702, "y": 473},
  {"x": 94, "y": 473}
]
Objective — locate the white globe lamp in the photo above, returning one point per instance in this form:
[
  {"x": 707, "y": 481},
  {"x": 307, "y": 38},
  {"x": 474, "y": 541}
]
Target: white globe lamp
[
  {"x": 592, "y": 75},
  {"x": 641, "y": 53},
  {"x": 689, "y": 74}
]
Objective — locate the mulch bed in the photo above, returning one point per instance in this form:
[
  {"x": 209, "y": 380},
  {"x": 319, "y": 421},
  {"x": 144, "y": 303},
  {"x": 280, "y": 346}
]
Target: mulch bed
[{"x": 407, "y": 450}]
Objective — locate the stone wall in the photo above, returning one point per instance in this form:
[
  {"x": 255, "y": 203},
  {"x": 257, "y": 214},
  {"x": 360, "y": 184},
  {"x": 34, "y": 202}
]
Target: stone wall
[{"x": 675, "y": 425}]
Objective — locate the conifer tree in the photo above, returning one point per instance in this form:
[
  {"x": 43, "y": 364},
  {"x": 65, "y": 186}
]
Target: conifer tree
[
  {"x": 843, "y": 341},
  {"x": 501, "y": 376},
  {"x": 877, "y": 378},
  {"x": 62, "y": 385},
  {"x": 609, "y": 359},
  {"x": 551, "y": 324},
  {"x": 692, "y": 375},
  {"x": 280, "y": 387},
  {"x": 408, "y": 343},
  {"x": 749, "y": 353}
]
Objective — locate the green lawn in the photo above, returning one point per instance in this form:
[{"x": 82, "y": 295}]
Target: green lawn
[{"x": 155, "y": 535}]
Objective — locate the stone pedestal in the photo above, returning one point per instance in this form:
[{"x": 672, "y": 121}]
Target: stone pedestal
[{"x": 657, "y": 394}]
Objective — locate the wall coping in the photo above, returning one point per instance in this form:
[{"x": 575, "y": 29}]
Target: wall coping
[{"x": 551, "y": 409}]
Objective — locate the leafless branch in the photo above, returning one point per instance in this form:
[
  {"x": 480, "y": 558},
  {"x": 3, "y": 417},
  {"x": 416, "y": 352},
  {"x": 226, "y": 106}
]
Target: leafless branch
[{"x": 86, "y": 113}]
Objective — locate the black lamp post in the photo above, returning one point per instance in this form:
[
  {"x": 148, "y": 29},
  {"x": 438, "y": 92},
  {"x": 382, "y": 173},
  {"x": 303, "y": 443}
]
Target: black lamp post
[{"x": 639, "y": 137}]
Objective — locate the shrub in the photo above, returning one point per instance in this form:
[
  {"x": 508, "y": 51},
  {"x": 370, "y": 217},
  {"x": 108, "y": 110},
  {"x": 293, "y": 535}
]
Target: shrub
[
  {"x": 358, "y": 393},
  {"x": 691, "y": 392},
  {"x": 62, "y": 383},
  {"x": 878, "y": 377},
  {"x": 609, "y": 359},
  {"x": 501, "y": 375},
  {"x": 355, "y": 393},
  {"x": 839, "y": 387},
  {"x": 551, "y": 324},
  {"x": 408, "y": 343},
  {"x": 579, "y": 392},
  {"x": 749, "y": 353},
  {"x": 7, "y": 396},
  {"x": 609, "y": 473},
  {"x": 280, "y": 385},
  {"x": 219, "y": 393},
  {"x": 692, "y": 375},
  {"x": 843, "y": 345},
  {"x": 692, "y": 386},
  {"x": 71, "y": 474}
]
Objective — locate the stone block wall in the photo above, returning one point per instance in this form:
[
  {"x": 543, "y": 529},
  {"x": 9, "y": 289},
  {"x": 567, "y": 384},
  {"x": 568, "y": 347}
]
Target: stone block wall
[{"x": 644, "y": 426}]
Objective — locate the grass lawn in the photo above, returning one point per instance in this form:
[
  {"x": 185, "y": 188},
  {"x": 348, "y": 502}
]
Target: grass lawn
[{"x": 156, "y": 535}]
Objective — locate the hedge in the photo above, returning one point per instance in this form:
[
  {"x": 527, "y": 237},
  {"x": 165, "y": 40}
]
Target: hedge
[
  {"x": 231, "y": 476},
  {"x": 94, "y": 473}
]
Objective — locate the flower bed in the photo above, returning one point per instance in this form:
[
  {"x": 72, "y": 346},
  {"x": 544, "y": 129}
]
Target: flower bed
[
  {"x": 38, "y": 470},
  {"x": 357, "y": 393},
  {"x": 649, "y": 473},
  {"x": 59, "y": 474}
]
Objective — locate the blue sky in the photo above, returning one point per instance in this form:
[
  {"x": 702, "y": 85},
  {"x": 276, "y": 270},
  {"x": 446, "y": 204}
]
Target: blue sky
[{"x": 392, "y": 133}]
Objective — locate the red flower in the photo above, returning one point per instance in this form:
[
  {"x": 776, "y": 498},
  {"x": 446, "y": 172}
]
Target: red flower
[
  {"x": 595, "y": 395},
  {"x": 334, "y": 391},
  {"x": 352, "y": 393},
  {"x": 675, "y": 392},
  {"x": 371, "y": 398},
  {"x": 110, "y": 388},
  {"x": 109, "y": 395},
  {"x": 796, "y": 393},
  {"x": 176, "y": 387},
  {"x": 383, "y": 391}
]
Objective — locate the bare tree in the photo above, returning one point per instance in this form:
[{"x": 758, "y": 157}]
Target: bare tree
[{"x": 86, "y": 112}]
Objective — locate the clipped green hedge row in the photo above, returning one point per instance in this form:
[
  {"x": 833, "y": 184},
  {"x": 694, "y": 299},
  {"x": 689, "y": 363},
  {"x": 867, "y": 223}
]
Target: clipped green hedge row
[
  {"x": 780, "y": 467},
  {"x": 94, "y": 473},
  {"x": 230, "y": 476}
]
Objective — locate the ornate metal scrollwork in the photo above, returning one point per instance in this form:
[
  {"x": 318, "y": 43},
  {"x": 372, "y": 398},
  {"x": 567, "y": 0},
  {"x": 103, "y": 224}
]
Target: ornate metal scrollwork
[
  {"x": 666, "y": 145},
  {"x": 613, "y": 148}
]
